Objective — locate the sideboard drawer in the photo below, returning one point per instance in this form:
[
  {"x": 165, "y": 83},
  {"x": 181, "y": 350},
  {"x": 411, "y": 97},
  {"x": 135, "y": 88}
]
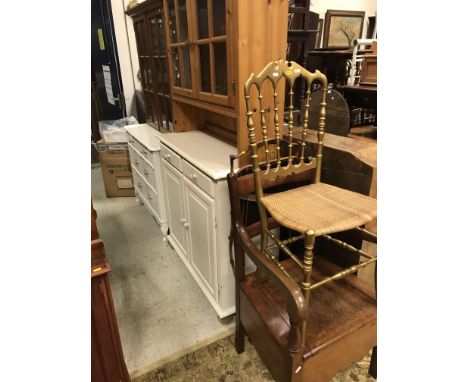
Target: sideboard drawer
[
  {"x": 199, "y": 178},
  {"x": 171, "y": 157},
  {"x": 148, "y": 172},
  {"x": 135, "y": 159},
  {"x": 140, "y": 184},
  {"x": 153, "y": 199}
]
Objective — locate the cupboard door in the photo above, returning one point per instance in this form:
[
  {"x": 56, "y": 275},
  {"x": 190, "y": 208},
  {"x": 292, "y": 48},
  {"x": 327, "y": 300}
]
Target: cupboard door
[
  {"x": 212, "y": 52},
  {"x": 146, "y": 68},
  {"x": 200, "y": 215},
  {"x": 175, "y": 204},
  {"x": 162, "y": 96},
  {"x": 180, "y": 47}
]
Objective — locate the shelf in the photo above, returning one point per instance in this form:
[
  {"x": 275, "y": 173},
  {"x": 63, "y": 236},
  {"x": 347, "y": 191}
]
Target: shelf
[{"x": 205, "y": 105}]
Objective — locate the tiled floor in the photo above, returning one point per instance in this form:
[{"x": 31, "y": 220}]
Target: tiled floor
[{"x": 160, "y": 310}]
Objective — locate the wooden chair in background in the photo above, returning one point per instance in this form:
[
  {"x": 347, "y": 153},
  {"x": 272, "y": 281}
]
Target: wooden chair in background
[{"x": 306, "y": 319}]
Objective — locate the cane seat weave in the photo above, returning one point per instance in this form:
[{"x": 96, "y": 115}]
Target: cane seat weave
[{"x": 321, "y": 208}]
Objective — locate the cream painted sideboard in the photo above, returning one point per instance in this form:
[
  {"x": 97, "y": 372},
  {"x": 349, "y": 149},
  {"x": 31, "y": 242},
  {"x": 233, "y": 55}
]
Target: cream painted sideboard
[
  {"x": 145, "y": 158},
  {"x": 194, "y": 168}
]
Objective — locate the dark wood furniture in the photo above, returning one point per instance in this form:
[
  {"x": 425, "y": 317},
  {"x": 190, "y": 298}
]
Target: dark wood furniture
[
  {"x": 369, "y": 70},
  {"x": 331, "y": 62},
  {"x": 302, "y": 32},
  {"x": 107, "y": 360},
  {"x": 362, "y": 97},
  {"x": 150, "y": 34}
]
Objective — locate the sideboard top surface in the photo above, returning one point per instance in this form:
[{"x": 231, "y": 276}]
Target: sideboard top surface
[
  {"x": 209, "y": 154},
  {"x": 146, "y": 135}
]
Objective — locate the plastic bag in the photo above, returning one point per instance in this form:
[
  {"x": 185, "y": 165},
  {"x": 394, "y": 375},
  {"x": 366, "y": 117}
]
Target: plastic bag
[{"x": 113, "y": 131}]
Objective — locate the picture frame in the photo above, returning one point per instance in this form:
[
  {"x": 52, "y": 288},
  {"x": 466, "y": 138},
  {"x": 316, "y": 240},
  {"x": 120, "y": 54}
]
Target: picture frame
[{"x": 341, "y": 28}]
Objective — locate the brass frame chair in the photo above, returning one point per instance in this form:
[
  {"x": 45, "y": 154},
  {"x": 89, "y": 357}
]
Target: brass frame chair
[{"x": 316, "y": 209}]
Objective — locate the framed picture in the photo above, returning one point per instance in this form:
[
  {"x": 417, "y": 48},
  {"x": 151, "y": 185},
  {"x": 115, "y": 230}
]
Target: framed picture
[{"x": 341, "y": 28}]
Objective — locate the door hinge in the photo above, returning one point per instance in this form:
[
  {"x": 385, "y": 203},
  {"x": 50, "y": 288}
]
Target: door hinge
[
  {"x": 216, "y": 222},
  {"x": 233, "y": 87}
]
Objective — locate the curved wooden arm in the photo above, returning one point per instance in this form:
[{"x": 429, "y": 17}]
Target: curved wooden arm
[{"x": 297, "y": 310}]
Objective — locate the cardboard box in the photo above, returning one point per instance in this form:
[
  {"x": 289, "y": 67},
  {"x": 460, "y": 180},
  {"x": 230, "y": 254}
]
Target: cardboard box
[{"x": 116, "y": 169}]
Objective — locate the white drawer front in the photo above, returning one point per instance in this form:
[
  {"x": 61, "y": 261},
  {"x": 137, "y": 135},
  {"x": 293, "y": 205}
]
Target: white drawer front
[
  {"x": 199, "y": 178},
  {"x": 130, "y": 139},
  {"x": 145, "y": 153},
  {"x": 135, "y": 158},
  {"x": 153, "y": 199},
  {"x": 171, "y": 157},
  {"x": 140, "y": 184},
  {"x": 148, "y": 173}
]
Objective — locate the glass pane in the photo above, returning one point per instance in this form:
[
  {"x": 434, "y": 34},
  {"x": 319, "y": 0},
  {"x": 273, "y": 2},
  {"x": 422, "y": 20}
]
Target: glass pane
[
  {"x": 186, "y": 62},
  {"x": 183, "y": 28},
  {"x": 162, "y": 108},
  {"x": 149, "y": 107},
  {"x": 169, "y": 114},
  {"x": 202, "y": 19},
  {"x": 141, "y": 38},
  {"x": 157, "y": 74},
  {"x": 176, "y": 67},
  {"x": 165, "y": 76},
  {"x": 172, "y": 22},
  {"x": 220, "y": 68},
  {"x": 205, "y": 72},
  {"x": 219, "y": 17},
  {"x": 154, "y": 36},
  {"x": 162, "y": 42}
]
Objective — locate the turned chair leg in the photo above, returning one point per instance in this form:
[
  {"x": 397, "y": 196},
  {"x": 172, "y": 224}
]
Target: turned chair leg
[{"x": 373, "y": 363}]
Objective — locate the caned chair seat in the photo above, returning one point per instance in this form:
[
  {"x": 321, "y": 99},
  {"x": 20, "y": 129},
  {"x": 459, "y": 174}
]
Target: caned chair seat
[{"x": 321, "y": 208}]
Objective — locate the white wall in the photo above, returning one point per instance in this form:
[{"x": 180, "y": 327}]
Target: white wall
[
  {"x": 368, "y": 6},
  {"x": 126, "y": 46}
]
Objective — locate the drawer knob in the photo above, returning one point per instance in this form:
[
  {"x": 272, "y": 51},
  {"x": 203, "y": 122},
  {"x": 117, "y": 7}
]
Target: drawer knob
[
  {"x": 139, "y": 185},
  {"x": 183, "y": 220},
  {"x": 186, "y": 225},
  {"x": 167, "y": 156},
  {"x": 145, "y": 172},
  {"x": 136, "y": 162},
  {"x": 149, "y": 197},
  {"x": 144, "y": 152},
  {"x": 193, "y": 177}
]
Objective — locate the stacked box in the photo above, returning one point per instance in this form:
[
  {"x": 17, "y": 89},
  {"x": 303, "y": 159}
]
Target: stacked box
[{"x": 116, "y": 169}]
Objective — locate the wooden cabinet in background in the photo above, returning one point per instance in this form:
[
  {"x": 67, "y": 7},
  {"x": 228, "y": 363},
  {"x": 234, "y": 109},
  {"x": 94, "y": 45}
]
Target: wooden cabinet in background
[
  {"x": 212, "y": 47},
  {"x": 150, "y": 34}
]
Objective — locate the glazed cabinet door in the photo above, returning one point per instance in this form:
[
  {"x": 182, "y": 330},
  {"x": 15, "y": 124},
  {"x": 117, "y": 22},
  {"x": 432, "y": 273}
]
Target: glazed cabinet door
[
  {"x": 213, "y": 50},
  {"x": 162, "y": 93},
  {"x": 146, "y": 68},
  {"x": 178, "y": 223},
  {"x": 179, "y": 23},
  {"x": 201, "y": 231}
]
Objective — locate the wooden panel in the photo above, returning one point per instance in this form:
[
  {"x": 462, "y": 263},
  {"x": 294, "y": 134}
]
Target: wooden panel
[
  {"x": 186, "y": 117},
  {"x": 107, "y": 360},
  {"x": 264, "y": 37},
  {"x": 369, "y": 70}
]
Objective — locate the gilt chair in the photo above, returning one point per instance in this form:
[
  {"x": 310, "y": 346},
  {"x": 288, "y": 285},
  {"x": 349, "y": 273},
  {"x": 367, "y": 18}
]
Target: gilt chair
[{"x": 307, "y": 317}]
